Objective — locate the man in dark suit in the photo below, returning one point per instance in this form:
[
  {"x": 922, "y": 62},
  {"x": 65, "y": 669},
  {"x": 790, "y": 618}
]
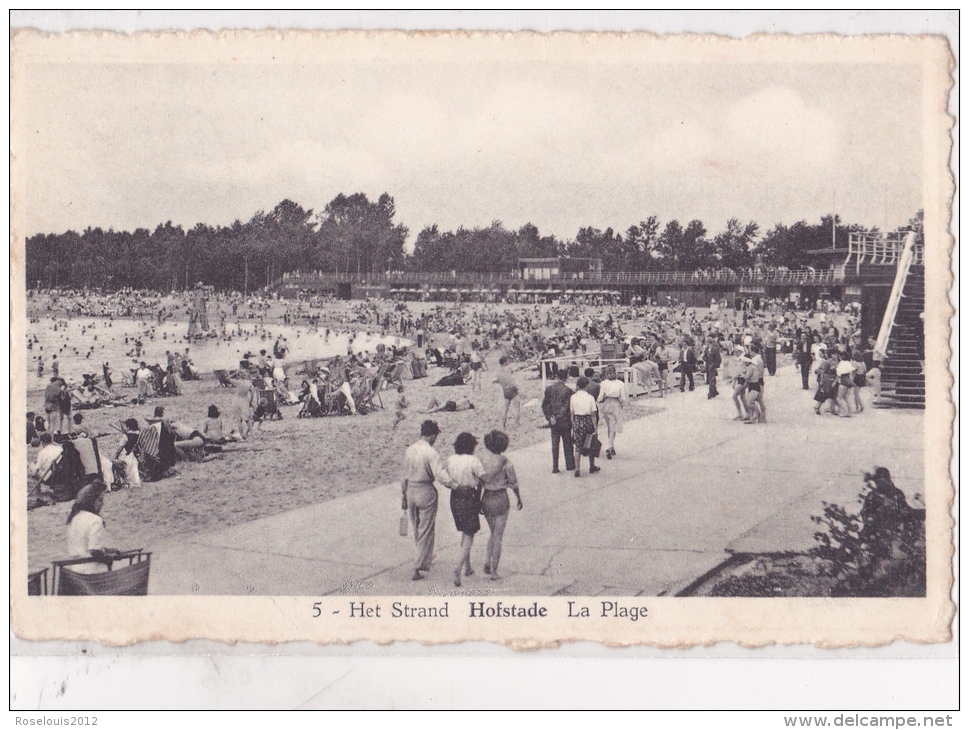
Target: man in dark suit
[
  {"x": 555, "y": 406},
  {"x": 687, "y": 364},
  {"x": 711, "y": 361}
]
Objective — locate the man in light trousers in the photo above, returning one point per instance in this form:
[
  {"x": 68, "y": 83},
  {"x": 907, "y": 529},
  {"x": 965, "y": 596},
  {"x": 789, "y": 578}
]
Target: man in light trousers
[{"x": 422, "y": 467}]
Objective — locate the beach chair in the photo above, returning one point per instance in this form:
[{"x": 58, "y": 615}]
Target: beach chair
[
  {"x": 334, "y": 402},
  {"x": 155, "y": 451},
  {"x": 362, "y": 393},
  {"x": 395, "y": 374},
  {"x": 129, "y": 580},
  {"x": 224, "y": 380},
  {"x": 78, "y": 465},
  {"x": 37, "y": 583},
  {"x": 376, "y": 385}
]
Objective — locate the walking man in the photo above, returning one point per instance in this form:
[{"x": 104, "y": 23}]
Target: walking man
[
  {"x": 687, "y": 364},
  {"x": 422, "y": 467},
  {"x": 804, "y": 359},
  {"x": 711, "y": 360},
  {"x": 770, "y": 349},
  {"x": 555, "y": 407}
]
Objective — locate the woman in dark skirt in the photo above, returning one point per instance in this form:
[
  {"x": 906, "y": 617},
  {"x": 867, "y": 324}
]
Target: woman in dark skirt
[
  {"x": 584, "y": 412},
  {"x": 466, "y": 471}
]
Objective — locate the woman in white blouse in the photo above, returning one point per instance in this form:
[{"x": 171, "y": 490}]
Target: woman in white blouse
[
  {"x": 85, "y": 528},
  {"x": 612, "y": 399},
  {"x": 466, "y": 471}
]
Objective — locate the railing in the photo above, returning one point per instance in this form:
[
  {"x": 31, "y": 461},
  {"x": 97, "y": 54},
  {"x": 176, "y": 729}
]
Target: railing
[
  {"x": 881, "y": 248},
  {"x": 606, "y": 278},
  {"x": 905, "y": 262}
]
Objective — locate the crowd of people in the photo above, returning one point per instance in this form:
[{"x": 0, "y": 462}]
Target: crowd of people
[{"x": 654, "y": 349}]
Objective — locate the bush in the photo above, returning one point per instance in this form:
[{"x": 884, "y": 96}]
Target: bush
[{"x": 877, "y": 551}]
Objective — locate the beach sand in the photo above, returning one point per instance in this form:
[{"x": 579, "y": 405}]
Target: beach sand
[{"x": 286, "y": 464}]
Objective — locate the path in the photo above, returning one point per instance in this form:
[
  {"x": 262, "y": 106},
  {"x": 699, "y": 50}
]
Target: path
[{"x": 688, "y": 487}]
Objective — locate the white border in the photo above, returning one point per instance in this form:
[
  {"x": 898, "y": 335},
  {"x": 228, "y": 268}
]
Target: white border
[{"x": 203, "y": 674}]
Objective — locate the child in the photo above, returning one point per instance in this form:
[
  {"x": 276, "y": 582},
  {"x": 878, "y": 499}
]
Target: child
[{"x": 401, "y": 411}]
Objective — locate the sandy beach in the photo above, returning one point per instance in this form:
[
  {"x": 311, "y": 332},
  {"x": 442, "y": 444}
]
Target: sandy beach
[{"x": 286, "y": 464}]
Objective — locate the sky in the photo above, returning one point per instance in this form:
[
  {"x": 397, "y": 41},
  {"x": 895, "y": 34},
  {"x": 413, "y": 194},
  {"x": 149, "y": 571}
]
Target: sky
[{"x": 561, "y": 145}]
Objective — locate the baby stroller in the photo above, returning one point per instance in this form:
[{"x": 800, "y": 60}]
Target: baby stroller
[{"x": 267, "y": 406}]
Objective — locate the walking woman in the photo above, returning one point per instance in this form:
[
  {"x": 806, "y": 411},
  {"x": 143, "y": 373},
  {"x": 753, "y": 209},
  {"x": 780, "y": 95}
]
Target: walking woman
[
  {"x": 583, "y": 409},
  {"x": 845, "y": 371},
  {"x": 662, "y": 357},
  {"x": 478, "y": 366},
  {"x": 859, "y": 378},
  {"x": 510, "y": 391},
  {"x": 499, "y": 477},
  {"x": 466, "y": 471},
  {"x": 738, "y": 373},
  {"x": 612, "y": 400}
]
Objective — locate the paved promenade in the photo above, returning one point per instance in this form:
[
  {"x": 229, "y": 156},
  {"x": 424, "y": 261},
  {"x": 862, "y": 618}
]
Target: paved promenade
[{"x": 689, "y": 486}]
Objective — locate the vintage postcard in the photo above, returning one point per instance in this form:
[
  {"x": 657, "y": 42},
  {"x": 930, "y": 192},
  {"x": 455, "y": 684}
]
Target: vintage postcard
[{"x": 513, "y": 337}]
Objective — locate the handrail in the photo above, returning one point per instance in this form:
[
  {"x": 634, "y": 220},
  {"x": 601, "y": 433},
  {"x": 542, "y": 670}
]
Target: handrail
[
  {"x": 895, "y": 298},
  {"x": 607, "y": 278}
]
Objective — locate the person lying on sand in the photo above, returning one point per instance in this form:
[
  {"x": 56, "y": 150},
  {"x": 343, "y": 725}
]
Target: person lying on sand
[{"x": 451, "y": 406}]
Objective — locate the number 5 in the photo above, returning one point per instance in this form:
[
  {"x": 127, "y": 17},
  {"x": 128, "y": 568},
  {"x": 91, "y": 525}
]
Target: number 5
[{"x": 316, "y": 609}]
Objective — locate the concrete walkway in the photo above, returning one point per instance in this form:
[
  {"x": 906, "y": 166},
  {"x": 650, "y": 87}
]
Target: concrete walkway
[{"x": 688, "y": 487}]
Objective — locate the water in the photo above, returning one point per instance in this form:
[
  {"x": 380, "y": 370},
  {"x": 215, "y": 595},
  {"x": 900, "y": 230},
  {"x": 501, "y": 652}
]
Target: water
[{"x": 78, "y": 352}]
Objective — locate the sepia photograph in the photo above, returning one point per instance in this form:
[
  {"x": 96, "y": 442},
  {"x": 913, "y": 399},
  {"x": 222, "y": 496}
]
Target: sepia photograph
[{"x": 451, "y": 336}]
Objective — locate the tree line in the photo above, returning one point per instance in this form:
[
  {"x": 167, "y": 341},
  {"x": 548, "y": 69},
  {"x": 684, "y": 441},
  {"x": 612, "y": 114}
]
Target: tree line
[{"x": 355, "y": 235}]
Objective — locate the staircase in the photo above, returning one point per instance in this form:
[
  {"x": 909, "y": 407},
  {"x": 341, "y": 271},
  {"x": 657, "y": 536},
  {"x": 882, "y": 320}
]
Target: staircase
[{"x": 903, "y": 381}]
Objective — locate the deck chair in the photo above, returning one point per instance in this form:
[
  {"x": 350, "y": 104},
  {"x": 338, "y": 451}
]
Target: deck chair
[
  {"x": 332, "y": 400},
  {"x": 376, "y": 384},
  {"x": 155, "y": 451},
  {"x": 395, "y": 374},
  {"x": 78, "y": 465},
  {"x": 129, "y": 580},
  {"x": 308, "y": 368},
  {"x": 37, "y": 583},
  {"x": 224, "y": 380}
]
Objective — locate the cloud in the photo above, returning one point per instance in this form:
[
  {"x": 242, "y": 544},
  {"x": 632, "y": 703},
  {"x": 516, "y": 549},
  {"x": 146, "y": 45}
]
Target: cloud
[
  {"x": 776, "y": 124},
  {"x": 772, "y": 129},
  {"x": 687, "y": 141},
  {"x": 289, "y": 164}
]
